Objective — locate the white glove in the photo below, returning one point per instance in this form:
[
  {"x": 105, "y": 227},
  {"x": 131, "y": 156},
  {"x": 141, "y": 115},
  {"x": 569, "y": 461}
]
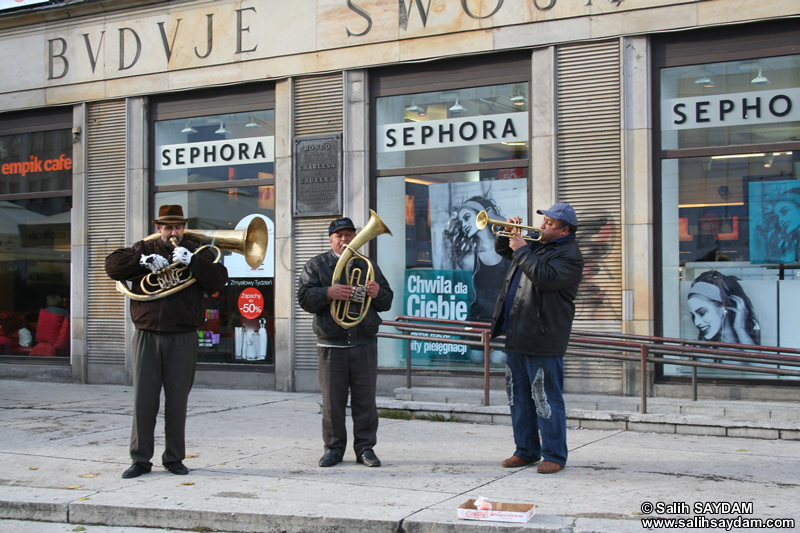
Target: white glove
[
  {"x": 182, "y": 255},
  {"x": 154, "y": 262}
]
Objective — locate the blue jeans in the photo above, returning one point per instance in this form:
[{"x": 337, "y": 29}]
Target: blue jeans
[{"x": 535, "y": 394}]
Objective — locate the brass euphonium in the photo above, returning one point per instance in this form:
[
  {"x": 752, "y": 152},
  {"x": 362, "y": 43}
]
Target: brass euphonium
[
  {"x": 482, "y": 220},
  {"x": 349, "y": 313},
  {"x": 250, "y": 242}
]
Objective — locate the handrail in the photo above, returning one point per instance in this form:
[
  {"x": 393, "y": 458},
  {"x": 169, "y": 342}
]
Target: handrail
[
  {"x": 439, "y": 326},
  {"x": 649, "y": 347},
  {"x": 642, "y": 348}
]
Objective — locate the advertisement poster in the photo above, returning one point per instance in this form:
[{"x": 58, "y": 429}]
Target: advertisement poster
[
  {"x": 248, "y": 306},
  {"x": 456, "y": 242},
  {"x": 774, "y": 221},
  {"x": 718, "y": 306},
  {"x": 441, "y": 294},
  {"x": 252, "y": 321},
  {"x": 237, "y": 265}
]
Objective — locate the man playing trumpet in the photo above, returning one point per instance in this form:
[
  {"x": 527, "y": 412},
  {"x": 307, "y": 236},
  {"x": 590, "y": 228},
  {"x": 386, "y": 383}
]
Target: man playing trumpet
[
  {"x": 165, "y": 343},
  {"x": 535, "y": 310}
]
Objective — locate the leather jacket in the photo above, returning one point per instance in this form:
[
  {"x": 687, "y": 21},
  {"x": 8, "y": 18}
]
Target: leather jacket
[
  {"x": 315, "y": 279},
  {"x": 540, "y": 320},
  {"x": 181, "y": 311}
]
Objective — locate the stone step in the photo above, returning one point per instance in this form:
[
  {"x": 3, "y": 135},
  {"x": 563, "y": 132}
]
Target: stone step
[{"x": 731, "y": 418}]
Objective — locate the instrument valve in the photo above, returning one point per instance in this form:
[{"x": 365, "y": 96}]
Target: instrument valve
[{"x": 359, "y": 293}]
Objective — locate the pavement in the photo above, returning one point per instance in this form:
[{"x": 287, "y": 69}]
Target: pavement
[{"x": 253, "y": 459}]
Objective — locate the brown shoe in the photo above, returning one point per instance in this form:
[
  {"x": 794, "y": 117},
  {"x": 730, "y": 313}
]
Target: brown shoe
[
  {"x": 516, "y": 462},
  {"x": 549, "y": 467}
]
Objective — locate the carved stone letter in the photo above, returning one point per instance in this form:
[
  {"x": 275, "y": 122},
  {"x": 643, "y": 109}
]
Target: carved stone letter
[
  {"x": 465, "y": 7},
  {"x": 169, "y": 46},
  {"x": 93, "y": 57},
  {"x": 240, "y": 30},
  {"x": 209, "y": 37},
  {"x": 363, "y": 13},
  {"x": 122, "y": 65},
  {"x": 52, "y": 56}
]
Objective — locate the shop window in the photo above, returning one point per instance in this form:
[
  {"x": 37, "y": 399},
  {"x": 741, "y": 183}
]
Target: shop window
[
  {"x": 730, "y": 211},
  {"x": 443, "y": 266},
  {"x": 220, "y": 168},
  {"x": 35, "y": 205}
]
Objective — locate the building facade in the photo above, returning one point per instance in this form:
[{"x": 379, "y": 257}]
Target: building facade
[{"x": 672, "y": 126}]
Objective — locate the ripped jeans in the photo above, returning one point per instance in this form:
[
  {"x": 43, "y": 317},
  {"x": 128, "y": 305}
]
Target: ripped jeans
[{"x": 535, "y": 394}]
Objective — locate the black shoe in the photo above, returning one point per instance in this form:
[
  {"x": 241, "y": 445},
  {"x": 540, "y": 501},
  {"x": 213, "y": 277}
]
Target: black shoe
[
  {"x": 330, "y": 458},
  {"x": 135, "y": 470},
  {"x": 177, "y": 468},
  {"x": 368, "y": 458}
]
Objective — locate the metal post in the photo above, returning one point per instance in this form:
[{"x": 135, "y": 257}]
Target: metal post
[
  {"x": 643, "y": 352},
  {"x": 485, "y": 340},
  {"x": 408, "y": 364}
]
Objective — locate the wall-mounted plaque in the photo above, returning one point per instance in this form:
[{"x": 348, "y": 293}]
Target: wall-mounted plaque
[{"x": 318, "y": 175}]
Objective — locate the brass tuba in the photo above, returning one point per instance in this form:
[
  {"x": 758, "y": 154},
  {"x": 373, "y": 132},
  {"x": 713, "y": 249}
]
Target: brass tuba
[
  {"x": 349, "y": 313},
  {"x": 250, "y": 242},
  {"x": 482, "y": 220}
]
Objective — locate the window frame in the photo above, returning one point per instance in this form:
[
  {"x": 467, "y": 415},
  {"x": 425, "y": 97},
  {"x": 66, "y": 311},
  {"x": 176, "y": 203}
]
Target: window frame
[
  {"x": 698, "y": 47},
  {"x": 215, "y": 101}
]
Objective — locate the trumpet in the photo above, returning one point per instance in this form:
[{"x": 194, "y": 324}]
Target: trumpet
[
  {"x": 349, "y": 313},
  {"x": 251, "y": 242},
  {"x": 482, "y": 220}
]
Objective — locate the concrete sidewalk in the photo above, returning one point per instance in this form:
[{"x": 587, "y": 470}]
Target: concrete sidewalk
[{"x": 253, "y": 456}]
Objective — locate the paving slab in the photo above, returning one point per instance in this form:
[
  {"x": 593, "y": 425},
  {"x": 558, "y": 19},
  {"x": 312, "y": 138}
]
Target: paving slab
[{"x": 253, "y": 459}]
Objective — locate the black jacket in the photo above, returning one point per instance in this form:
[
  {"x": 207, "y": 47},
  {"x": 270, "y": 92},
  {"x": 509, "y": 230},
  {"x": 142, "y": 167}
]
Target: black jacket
[
  {"x": 540, "y": 320},
  {"x": 181, "y": 311},
  {"x": 314, "y": 282}
]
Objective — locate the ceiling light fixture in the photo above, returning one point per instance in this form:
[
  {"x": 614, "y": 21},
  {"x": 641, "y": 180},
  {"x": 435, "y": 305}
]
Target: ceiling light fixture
[
  {"x": 188, "y": 128},
  {"x": 413, "y": 108},
  {"x": 222, "y": 130},
  {"x": 456, "y": 108},
  {"x": 518, "y": 99},
  {"x": 760, "y": 79},
  {"x": 736, "y": 156},
  {"x": 423, "y": 111},
  {"x": 251, "y": 122},
  {"x": 704, "y": 81},
  {"x": 515, "y": 143},
  {"x": 768, "y": 160}
]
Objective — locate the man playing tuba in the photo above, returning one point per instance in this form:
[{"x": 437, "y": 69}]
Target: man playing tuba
[
  {"x": 165, "y": 343},
  {"x": 347, "y": 351}
]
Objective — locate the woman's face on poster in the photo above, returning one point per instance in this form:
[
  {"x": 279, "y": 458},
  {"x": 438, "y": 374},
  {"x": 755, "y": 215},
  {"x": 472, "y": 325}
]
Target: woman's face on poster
[
  {"x": 467, "y": 218},
  {"x": 788, "y": 215},
  {"x": 707, "y": 315}
]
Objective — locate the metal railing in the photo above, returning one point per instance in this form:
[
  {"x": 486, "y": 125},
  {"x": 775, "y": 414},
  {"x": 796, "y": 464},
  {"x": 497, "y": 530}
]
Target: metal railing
[
  {"x": 683, "y": 352},
  {"x": 426, "y": 329},
  {"x": 614, "y": 346}
]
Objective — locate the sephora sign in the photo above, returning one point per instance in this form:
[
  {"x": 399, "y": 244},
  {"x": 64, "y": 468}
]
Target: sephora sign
[
  {"x": 733, "y": 109},
  {"x": 448, "y": 133}
]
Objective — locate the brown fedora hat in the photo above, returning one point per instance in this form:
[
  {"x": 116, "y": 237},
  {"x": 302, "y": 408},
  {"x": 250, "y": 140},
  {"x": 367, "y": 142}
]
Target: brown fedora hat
[{"x": 171, "y": 214}]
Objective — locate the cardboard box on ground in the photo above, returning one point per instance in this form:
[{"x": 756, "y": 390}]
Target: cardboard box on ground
[{"x": 499, "y": 512}]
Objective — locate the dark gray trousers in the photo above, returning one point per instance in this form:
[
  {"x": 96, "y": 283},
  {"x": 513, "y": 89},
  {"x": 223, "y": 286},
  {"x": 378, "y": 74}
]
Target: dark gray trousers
[
  {"x": 353, "y": 369},
  {"x": 165, "y": 360}
]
